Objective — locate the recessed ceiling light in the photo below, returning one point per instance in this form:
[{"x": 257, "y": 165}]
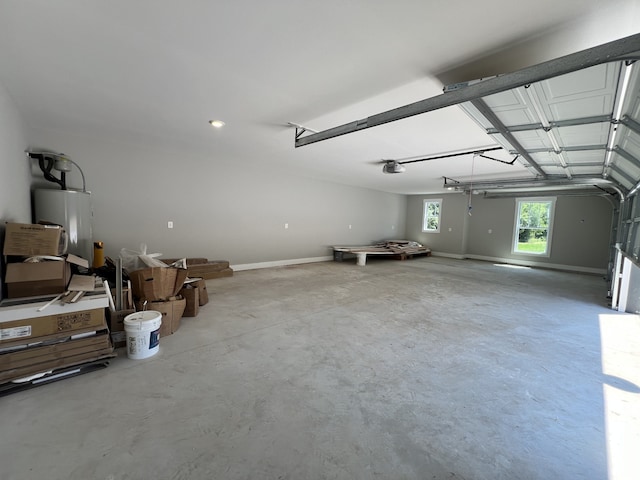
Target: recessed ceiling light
[{"x": 216, "y": 123}]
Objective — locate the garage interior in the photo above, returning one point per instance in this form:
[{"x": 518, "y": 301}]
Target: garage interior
[{"x": 479, "y": 361}]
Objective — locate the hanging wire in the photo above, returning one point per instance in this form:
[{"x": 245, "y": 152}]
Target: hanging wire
[{"x": 473, "y": 161}]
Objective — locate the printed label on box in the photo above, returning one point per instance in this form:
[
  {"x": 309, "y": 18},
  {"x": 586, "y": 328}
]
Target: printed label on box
[
  {"x": 15, "y": 332},
  {"x": 74, "y": 320}
]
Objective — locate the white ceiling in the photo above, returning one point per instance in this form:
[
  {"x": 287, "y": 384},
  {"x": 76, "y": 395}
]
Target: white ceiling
[{"x": 156, "y": 71}]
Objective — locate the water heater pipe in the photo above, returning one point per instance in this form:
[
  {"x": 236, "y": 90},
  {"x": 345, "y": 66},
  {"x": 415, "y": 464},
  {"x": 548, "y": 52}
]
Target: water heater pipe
[{"x": 56, "y": 161}]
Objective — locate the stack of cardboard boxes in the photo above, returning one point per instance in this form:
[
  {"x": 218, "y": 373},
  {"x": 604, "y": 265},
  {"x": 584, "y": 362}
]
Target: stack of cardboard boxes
[
  {"x": 164, "y": 289},
  {"x": 44, "y": 344},
  {"x": 167, "y": 290},
  {"x": 39, "y": 338},
  {"x": 195, "y": 294},
  {"x": 42, "y": 338},
  {"x": 28, "y": 279},
  {"x": 157, "y": 289}
]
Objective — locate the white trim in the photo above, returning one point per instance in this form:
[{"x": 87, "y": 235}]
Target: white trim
[
  {"x": 530, "y": 263},
  {"x": 279, "y": 263},
  {"x": 526, "y": 263},
  {"x": 624, "y": 285},
  {"x": 616, "y": 278},
  {"x": 457, "y": 256}
]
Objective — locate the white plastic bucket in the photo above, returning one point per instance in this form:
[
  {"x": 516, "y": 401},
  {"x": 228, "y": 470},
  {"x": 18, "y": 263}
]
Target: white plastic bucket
[{"x": 143, "y": 334}]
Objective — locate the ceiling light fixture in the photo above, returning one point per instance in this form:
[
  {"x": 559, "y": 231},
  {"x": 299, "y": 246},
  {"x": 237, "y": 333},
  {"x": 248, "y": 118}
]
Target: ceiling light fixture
[{"x": 216, "y": 123}]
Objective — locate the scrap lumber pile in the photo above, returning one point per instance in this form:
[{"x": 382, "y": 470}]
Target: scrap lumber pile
[
  {"x": 400, "y": 249},
  {"x": 405, "y": 247},
  {"x": 204, "y": 268}
]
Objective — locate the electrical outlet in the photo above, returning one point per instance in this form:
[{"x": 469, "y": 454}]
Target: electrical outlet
[
  {"x": 286, "y": 225},
  {"x": 349, "y": 227},
  {"x": 169, "y": 224}
]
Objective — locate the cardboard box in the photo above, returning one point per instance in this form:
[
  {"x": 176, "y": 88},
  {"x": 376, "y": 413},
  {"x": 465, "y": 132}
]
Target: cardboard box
[
  {"x": 50, "y": 327},
  {"x": 116, "y": 326},
  {"x": 19, "y": 364},
  {"x": 45, "y": 353},
  {"x": 206, "y": 269},
  {"x": 171, "y": 310},
  {"x": 203, "y": 295},
  {"x": 201, "y": 285},
  {"x": 40, "y": 278},
  {"x": 32, "y": 279},
  {"x": 115, "y": 320},
  {"x": 190, "y": 294},
  {"x": 27, "y": 239},
  {"x": 157, "y": 283},
  {"x": 119, "y": 339}
]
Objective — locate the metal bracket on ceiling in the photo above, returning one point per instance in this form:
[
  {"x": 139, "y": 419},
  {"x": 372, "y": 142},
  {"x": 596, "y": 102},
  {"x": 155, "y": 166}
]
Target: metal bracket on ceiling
[
  {"x": 630, "y": 123},
  {"x": 450, "y": 183},
  {"x": 498, "y": 160},
  {"x": 484, "y": 109},
  {"x": 301, "y": 129}
]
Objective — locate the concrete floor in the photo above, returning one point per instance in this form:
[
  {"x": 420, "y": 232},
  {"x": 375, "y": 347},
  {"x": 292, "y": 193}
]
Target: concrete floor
[{"x": 430, "y": 368}]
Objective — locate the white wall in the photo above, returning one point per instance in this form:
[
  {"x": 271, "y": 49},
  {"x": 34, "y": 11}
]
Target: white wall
[
  {"x": 612, "y": 20},
  {"x": 15, "y": 205},
  {"x": 580, "y": 238},
  {"x": 220, "y": 208},
  {"x": 15, "y": 178}
]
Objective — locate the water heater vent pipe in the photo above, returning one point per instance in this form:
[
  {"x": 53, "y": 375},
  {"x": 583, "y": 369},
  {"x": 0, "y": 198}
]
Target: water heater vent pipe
[{"x": 58, "y": 161}]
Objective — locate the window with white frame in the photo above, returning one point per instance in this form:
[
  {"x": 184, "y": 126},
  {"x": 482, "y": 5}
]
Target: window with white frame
[
  {"x": 534, "y": 219},
  {"x": 432, "y": 209}
]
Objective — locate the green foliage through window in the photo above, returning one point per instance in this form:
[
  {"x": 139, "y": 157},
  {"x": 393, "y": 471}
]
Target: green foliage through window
[
  {"x": 533, "y": 226},
  {"x": 431, "y": 216}
]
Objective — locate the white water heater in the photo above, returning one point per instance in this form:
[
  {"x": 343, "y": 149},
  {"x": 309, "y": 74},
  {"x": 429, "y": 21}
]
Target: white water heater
[{"x": 71, "y": 209}]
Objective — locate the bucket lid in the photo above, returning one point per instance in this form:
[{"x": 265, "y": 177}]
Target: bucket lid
[{"x": 146, "y": 320}]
